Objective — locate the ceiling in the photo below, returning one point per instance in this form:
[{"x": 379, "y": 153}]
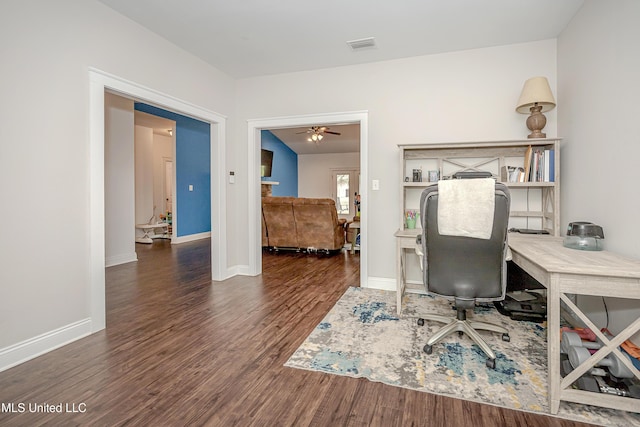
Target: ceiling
[
  {"x": 247, "y": 38},
  {"x": 347, "y": 142},
  {"x": 160, "y": 126}
]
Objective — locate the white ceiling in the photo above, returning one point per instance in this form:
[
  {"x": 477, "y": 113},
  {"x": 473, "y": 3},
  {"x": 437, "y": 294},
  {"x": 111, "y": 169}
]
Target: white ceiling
[
  {"x": 159, "y": 125},
  {"x": 246, "y": 38},
  {"x": 347, "y": 142}
]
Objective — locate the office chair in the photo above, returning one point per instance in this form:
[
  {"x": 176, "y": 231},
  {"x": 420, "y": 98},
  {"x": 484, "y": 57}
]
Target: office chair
[{"x": 465, "y": 269}]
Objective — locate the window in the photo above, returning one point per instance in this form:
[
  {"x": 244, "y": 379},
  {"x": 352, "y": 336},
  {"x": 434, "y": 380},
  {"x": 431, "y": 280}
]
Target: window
[
  {"x": 342, "y": 193},
  {"x": 346, "y": 184}
]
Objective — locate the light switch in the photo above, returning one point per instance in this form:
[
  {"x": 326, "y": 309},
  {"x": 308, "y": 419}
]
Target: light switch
[
  {"x": 190, "y": 187},
  {"x": 375, "y": 184}
]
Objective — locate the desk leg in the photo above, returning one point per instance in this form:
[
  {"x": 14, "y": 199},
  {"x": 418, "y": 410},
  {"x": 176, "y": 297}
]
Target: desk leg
[
  {"x": 553, "y": 344},
  {"x": 353, "y": 241},
  {"x": 399, "y": 276}
]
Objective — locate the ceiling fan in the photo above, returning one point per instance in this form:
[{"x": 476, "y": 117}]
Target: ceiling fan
[{"x": 316, "y": 133}]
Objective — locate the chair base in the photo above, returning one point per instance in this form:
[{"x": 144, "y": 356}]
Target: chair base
[{"x": 468, "y": 327}]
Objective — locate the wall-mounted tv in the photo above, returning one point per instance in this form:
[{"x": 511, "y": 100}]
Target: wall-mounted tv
[{"x": 266, "y": 163}]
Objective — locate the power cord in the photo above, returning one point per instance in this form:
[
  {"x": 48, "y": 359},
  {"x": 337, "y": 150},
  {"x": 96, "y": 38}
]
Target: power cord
[{"x": 606, "y": 310}]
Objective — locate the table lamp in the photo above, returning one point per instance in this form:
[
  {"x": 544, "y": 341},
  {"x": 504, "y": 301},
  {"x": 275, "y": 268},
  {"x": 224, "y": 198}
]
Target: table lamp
[{"x": 536, "y": 98}]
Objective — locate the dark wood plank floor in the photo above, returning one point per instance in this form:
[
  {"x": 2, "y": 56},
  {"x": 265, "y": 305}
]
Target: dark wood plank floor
[{"x": 181, "y": 350}]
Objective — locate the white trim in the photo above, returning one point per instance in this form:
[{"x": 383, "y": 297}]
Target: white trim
[
  {"x": 190, "y": 238},
  {"x": 36, "y": 346},
  {"x": 121, "y": 259},
  {"x": 239, "y": 270},
  {"x": 253, "y": 176},
  {"x": 100, "y": 81},
  {"x": 382, "y": 283}
]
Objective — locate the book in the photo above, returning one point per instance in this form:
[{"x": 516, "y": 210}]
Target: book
[
  {"x": 545, "y": 175},
  {"x": 527, "y": 163}
]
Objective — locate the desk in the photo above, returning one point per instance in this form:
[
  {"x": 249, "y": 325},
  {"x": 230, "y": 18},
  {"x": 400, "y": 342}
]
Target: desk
[
  {"x": 405, "y": 242},
  {"x": 568, "y": 271},
  {"x": 355, "y": 225},
  {"x": 148, "y": 229}
]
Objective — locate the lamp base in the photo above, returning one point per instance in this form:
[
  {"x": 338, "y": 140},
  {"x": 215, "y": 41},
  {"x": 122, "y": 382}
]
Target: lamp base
[
  {"x": 536, "y": 122},
  {"x": 537, "y": 134}
]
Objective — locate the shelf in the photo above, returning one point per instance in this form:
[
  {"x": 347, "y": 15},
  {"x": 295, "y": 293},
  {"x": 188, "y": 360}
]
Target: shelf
[
  {"x": 529, "y": 184},
  {"x": 541, "y": 205},
  {"x": 418, "y": 184},
  {"x": 508, "y": 184}
]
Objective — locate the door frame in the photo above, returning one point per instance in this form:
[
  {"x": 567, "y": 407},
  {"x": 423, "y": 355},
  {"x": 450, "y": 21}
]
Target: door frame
[
  {"x": 255, "y": 126},
  {"x": 99, "y": 82}
]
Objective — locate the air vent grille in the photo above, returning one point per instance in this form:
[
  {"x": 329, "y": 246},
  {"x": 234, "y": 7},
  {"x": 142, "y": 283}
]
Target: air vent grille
[{"x": 369, "y": 42}]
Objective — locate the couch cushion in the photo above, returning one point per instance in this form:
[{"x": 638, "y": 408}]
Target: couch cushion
[
  {"x": 280, "y": 222},
  {"x": 317, "y": 224}
]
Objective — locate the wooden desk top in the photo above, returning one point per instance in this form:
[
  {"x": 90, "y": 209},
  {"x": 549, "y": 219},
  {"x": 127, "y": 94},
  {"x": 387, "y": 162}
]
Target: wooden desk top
[
  {"x": 408, "y": 232},
  {"x": 549, "y": 253}
]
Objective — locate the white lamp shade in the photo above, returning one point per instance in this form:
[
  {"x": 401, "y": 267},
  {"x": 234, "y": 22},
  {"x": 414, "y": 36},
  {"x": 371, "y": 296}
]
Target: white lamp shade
[{"x": 536, "y": 90}]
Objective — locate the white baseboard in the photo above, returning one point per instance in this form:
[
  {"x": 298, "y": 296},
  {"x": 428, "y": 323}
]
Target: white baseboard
[
  {"x": 381, "y": 283},
  {"x": 36, "y": 346},
  {"x": 120, "y": 259},
  {"x": 190, "y": 238},
  {"x": 238, "y": 270}
]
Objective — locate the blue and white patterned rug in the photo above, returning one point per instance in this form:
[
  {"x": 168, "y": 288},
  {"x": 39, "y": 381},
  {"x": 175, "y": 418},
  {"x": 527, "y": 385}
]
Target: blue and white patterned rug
[{"x": 362, "y": 336}]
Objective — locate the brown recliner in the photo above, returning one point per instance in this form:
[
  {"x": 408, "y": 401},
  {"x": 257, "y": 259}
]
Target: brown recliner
[
  {"x": 302, "y": 223},
  {"x": 317, "y": 224},
  {"x": 280, "y": 223}
]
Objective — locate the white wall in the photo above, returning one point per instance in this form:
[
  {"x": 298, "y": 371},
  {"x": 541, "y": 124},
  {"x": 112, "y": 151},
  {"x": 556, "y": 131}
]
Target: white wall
[
  {"x": 119, "y": 180},
  {"x": 598, "y": 110},
  {"x": 468, "y": 95},
  {"x": 144, "y": 174},
  {"x": 314, "y": 172},
  {"x": 47, "y": 50}
]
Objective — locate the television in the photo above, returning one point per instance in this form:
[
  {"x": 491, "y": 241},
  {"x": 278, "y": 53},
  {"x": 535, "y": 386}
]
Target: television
[{"x": 266, "y": 163}]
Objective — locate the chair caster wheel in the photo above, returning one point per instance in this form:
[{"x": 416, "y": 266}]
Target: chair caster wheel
[
  {"x": 428, "y": 349},
  {"x": 506, "y": 337},
  {"x": 420, "y": 322},
  {"x": 491, "y": 363}
]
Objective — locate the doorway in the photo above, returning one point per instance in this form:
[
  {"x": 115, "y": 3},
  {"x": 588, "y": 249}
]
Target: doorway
[
  {"x": 99, "y": 83},
  {"x": 254, "y": 145},
  {"x": 167, "y": 196},
  {"x": 345, "y": 185}
]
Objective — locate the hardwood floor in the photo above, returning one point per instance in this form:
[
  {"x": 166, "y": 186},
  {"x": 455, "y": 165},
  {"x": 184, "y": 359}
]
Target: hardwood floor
[{"x": 182, "y": 350}]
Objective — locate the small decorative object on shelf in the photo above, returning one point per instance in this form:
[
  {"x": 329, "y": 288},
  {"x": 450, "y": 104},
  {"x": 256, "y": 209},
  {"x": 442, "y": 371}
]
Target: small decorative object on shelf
[{"x": 411, "y": 217}]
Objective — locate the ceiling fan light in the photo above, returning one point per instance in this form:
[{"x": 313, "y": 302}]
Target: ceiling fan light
[{"x": 319, "y": 137}]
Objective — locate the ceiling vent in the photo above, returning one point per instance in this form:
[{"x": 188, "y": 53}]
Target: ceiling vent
[{"x": 360, "y": 44}]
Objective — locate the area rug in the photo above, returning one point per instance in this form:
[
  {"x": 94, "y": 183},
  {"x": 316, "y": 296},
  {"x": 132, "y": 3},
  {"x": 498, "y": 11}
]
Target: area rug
[{"x": 363, "y": 337}]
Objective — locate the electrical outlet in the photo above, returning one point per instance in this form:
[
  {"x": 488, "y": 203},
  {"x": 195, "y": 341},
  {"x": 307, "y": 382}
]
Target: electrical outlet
[{"x": 375, "y": 184}]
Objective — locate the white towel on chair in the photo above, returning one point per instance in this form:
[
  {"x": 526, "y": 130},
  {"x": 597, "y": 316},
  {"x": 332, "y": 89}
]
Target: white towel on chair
[{"x": 466, "y": 207}]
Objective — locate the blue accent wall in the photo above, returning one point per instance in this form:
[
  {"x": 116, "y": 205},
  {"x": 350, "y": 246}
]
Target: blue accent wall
[
  {"x": 285, "y": 165},
  {"x": 193, "y": 167}
]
